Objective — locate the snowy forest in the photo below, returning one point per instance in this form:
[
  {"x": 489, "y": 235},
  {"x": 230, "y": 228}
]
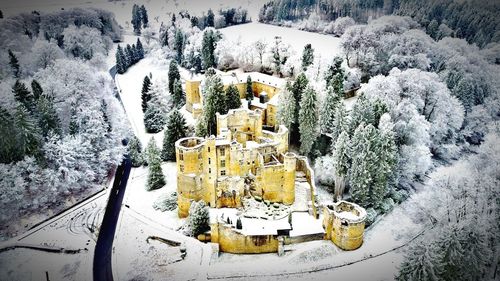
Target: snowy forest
[{"x": 61, "y": 124}]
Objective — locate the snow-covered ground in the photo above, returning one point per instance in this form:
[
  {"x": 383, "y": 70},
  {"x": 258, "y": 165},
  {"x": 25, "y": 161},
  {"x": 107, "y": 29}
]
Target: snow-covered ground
[{"x": 325, "y": 45}]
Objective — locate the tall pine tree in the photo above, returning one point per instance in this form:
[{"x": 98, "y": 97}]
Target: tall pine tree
[
  {"x": 307, "y": 56},
  {"x": 36, "y": 88},
  {"x": 139, "y": 49},
  {"x": 178, "y": 95},
  {"x": 362, "y": 166},
  {"x": 215, "y": 101},
  {"x": 308, "y": 119},
  {"x": 328, "y": 110},
  {"x": 14, "y": 64},
  {"x": 136, "y": 19},
  {"x": 144, "y": 16},
  {"x": 48, "y": 120},
  {"x": 121, "y": 62},
  {"x": 176, "y": 129},
  {"x": 179, "y": 45},
  {"x": 145, "y": 93},
  {"x": 156, "y": 178},
  {"x": 249, "y": 91},
  {"x": 209, "y": 43},
  {"x": 135, "y": 152},
  {"x": 23, "y": 95},
  {"x": 173, "y": 74},
  {"x": 342, "y": 156},
  {"x": 233, "y": 100},
  {"x": 286, "y": 107},
  {"x": 340, "y": 122}
]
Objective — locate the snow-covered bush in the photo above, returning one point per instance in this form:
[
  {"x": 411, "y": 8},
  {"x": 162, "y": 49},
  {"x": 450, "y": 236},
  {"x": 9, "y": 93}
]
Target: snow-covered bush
[
  {"x": 324, "y": 170},
  {"x": 166, "y": 202},
  {"x": 352, "y": 79},
  {"x": 371, "y": 215},
  {"x": 199, "y": 218}
]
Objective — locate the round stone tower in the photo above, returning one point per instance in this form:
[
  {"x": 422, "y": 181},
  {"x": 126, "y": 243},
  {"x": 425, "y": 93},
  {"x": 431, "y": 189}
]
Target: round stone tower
[
  {"x": 344, "y": 224},
  {"x": 189, "y": 156}
]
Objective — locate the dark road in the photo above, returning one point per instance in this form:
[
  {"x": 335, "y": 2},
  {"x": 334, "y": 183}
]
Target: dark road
[{"x": 102, "y": 268}]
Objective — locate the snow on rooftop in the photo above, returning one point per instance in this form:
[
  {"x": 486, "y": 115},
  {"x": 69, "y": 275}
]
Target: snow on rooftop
[
  {"x": 304, "y": 224},
  {"x": 274, "y": 100},
  {"x": 252, "y": 226}
]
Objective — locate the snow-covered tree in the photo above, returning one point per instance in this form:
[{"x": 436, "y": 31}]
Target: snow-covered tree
[
  {"x": 199, "y": 218},
  {"x": 175, "y": 129},
  {"x": 154, "y": 117},
  {"x": 84, "y": 42},
  {"x": 145, "y": 93},
  {"x": 362, "y": 112},
  {"x": 45, "y": 53},
  {"x": 209, "y": 44},
  {"x": 215, "y": 101},
  {"x": 14, "y": 64},
  {"x": 173, "y": 74},
  {"x": 307, "y": 56},
  {"x": 328, "y": 111},
  {"x": 420, "y": 263},
  {"x": 144, "y": 16},
  {"x": 340, "y": 122},
  {"x": 342, "y": 159},
  {"x": 286, "y": 107},
  {"x": 135, "y": 152},
  {"x": 156, "y": 178},
  {"x": 178, "y": 95},
  {"x": 136, "y": 19},
  {"x": 308, "y": 120}
]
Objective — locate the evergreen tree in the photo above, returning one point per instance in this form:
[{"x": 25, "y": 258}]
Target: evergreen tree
[
  {"x": 121, "y": 63},
  {"x": 144, "y": 16},
  {"x": 215, "y": 101},
  {"x": 156, "y": 179},
  {"x": 199, "y": 218},
  {"x": 340, "y": 122},
  {"x": 328, "y": 111},
  {"x": 173, "y": 74},
  {"x": 308, "y": 119},
  {"x": 432, "y": 29},
  {"x": 362, "y": 165},
  {"x": 201, "y": 129},
  {"x": 74, "y": 126},
  {"x": 14, "y": 64},
  {"x": 27, "y": 133},
  {"x": 129, "y": 55},
  {"x": 286, "y": 107},
  {"x": 307, "y": 56},
  {"x": 23, "y": 95},
  {"x": 233, "y": 100},
  {"x": 179, "y": 45},
  {"x": 139, "y": 49},
  {"x": 342, "y": 158},
  {"x": 136, "y": 19},
  {"x": 297, "y": 88},
  {"x": 385, "y": 150},
  {"x": 209, "y": 43},
  {"x": 379, "y": 109},
  {"x": 36, "y": 88},
  {"x": 135, "y": 152},
  {"x": 210, "y": 19},
  {"x": 362, "y": 112},
  {"x": 178, "y": 95},
  {"x": 48, "y": 119},
  {"x": 333, "y": 70},
  {"x": 145, "y": 93},
  {"x": 175, "y": 130},
  {"x": 154, "y": 117},
  {"x": 249, "y": 91}
]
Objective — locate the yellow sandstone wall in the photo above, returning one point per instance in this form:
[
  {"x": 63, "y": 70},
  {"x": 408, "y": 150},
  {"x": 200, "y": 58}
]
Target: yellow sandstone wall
[
  {"x": 192, "y": 94},
  {"x": 346, "y": 234},
  {"x": 231, "y": 241}
]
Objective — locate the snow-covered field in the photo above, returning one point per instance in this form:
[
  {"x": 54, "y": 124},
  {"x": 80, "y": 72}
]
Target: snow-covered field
[{"x": 326, "y": 45}]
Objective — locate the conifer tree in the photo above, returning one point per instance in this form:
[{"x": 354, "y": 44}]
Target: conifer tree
[
  {"x": 233, "y": 100},
  {"x": 136, "y": 19},
  {"x": 175, "y": 129},
  {"x": 129, "y": 55},
  {"x": 145, "y": 93},
  {"x": 420, "y": 263},
  {"x": 386, "y": 151},
  {"x": 362, "y": 112},
  {"x": 154, "y": 117},
  {"x": 210, "y": 19},
  {"x": 286, "y": 107},
  {"x": 178, "y": 95},
  {"x": 74, "y": 126},
  {"x": 342, "y": 157},
  {"x": 201, "y": 129},
  {"x": 297, "y": 88},
  {"x": 308, "y": 119},
  {"x": 121, "y": 63},
  {"x": 139, "y": 49},
  {"x": 215, "y": 101},
  {"x": 155, "y": 174},
  {"x": 173, "y": 74},
  {"x": 362, "y": 166},
  {"x": 27, "y": 132},
  {"x": 209, "y": 43},
  {"x": 36, "y": 88},
  {"x": 379, "y": 109},
  {"x": 48, "y": 119},
  {"x": 307, "y": 56},
  {"x": 249, "y": 91},
  {"x": 340, "y": 122},
  {"x": 335, "y": 68},
  {"x": 144, "y": 16},
  {"x": 328, "y": 110},
  {"x": 14, "y": 64},
  {"x": 179, "y": 45},
  {"x": 135, "y": 152},
  {"x": 23, "y": 95}
]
